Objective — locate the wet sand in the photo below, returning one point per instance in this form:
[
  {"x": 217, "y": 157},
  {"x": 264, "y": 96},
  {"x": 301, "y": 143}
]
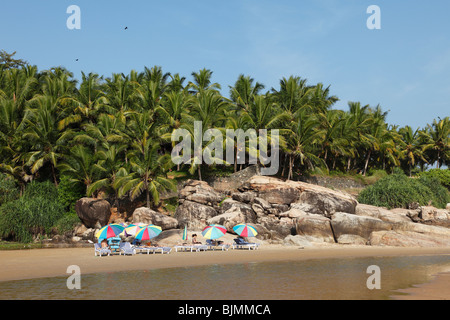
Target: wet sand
[{"x": 39, "y": 263}]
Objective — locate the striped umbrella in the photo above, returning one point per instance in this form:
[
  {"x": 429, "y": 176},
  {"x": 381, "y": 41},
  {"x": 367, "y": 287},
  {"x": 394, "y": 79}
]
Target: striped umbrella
[
  {"x": 245, "y": 230},
  {"x": 185, "y": 235},
  {"x": 147, "y": 232},
  {"x": 109, "y": 231},
  {"x": 132, "y": 229},
  {"x": 214, "y": 231}
]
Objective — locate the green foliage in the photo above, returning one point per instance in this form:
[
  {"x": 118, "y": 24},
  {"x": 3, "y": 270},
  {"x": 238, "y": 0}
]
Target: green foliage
[
  {"x": 33, "y": 214},
  {"x": 443, "y": 175},
  {"x": 397, "y": 191},
  {"x": 69, "y": 192},
  {"x": 8, "y": 189},
  {"x": 67, "y": 223}
]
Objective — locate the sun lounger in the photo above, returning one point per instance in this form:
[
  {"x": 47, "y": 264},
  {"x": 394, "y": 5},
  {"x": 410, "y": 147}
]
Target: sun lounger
[
  {"x": 101, "y": 251},
  {"x": 193, "y": 247},
  {"x": 163, "y": 250},
  {"x": 213, "y": 246},
  {"x": 114, "y": 244},
  {"x": 241, "y": 244},
  {"x": 125, "y": 248}
]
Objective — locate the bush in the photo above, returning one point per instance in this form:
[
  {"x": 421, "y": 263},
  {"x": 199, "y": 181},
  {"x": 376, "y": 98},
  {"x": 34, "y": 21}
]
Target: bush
[
  {"x": 443, "y": 175},
  {"x": 398, "y": 191},
  {"x": 34, "y": 214},
  {"x": 8, "y": 189},
  {"x": 69, "y": 192}
]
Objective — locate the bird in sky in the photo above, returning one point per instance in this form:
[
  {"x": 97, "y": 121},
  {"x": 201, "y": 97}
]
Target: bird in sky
[{"x": 126, "y": 28}]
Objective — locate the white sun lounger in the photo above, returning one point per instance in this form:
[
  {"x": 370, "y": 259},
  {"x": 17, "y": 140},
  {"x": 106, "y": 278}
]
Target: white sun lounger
[
  {"x": 193, "y": 247},
  {"x": 101, "y": 251}
]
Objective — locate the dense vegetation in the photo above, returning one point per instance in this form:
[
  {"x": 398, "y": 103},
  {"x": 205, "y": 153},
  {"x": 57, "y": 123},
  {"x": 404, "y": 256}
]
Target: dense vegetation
[
  {"x": 399, "y": 191},
  {"x": 113, "y": 134}
]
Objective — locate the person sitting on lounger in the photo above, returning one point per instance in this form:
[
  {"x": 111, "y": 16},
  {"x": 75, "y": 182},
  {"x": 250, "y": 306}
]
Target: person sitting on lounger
[
  {"x": 194, "y": 239},
  {"x": 104, "y": 244}
]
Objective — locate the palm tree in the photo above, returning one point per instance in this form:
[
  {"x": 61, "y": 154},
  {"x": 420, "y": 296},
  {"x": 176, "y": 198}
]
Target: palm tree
[
  {"x": 148, "y": 172},
  {"x": 302, "y": 137},
  {"x": 244, "y": 91},
  {"x": 437, "y": 141},
  {"x": 410, "y": 147},
  {"x": 47, "y": 141},
  {"x": 202, "y": 82},
  {"x": 79, "y": 165}
]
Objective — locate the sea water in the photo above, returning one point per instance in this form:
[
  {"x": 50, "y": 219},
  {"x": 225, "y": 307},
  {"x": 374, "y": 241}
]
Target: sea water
[{"x": 334, "y": 279}]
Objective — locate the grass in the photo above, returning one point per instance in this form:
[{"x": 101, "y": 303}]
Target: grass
[{"x": 10, "y": 245}]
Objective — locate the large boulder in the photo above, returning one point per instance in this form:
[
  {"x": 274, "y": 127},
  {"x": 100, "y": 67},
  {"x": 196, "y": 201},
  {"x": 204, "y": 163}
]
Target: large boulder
[
  {"x": 229, "y": 218},
  {"x": 194, "y": 215},
  {"x": 315, "y": 226},
  {"x": 344, "y": 223},
  {"x": 383, "y": 214},
  {"x": 93, "y": 212},
  {"x": 149, "y": 216},
  {"x": 300, "y": 195},
  {"x": 407, "y": 239},
  {"x": 200, "y": 192},
  {"x": 435, "y": 216}
]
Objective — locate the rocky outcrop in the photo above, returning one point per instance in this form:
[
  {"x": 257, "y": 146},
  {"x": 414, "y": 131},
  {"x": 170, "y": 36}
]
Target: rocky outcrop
[
  {"x": 149, "y": 216},
  {"x": 94, "y": 213},
  {"x": 288, "y": 212}
]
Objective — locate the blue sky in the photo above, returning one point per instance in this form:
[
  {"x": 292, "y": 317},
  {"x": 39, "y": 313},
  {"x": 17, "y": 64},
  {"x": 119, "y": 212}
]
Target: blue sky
[{"x": 404, "y": 67}]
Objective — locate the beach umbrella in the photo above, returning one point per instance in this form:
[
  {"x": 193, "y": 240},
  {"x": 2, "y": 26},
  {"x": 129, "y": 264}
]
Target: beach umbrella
[
  {"x": 185, "y": 234},
  {"x": 245, "y": 230},
  {"x": 147, "y": 232},
  {"x": 132, "y": 229},
  {"x": 214, "y": 231},
  {"x": 109, "y": 231}
]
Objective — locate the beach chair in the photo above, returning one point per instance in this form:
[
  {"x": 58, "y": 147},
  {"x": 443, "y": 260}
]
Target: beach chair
[
  {"x": 163, "y": 250},
  {"x": 200, "y": 247},
  {"x": 184, "y": 248},
  {"x": 125, "y": 248},
  {"x": 101, "y": 251},
  {"x": 213, "y": 245},
  {"x": 114, "y": 244},
  {"x": 239, "y": 243}
]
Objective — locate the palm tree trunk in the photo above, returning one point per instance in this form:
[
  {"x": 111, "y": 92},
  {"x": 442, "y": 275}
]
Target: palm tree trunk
[
  {"x": 148, "y": 198},
  {"x": 291, "y": 163},
  {"x": 55, "y": 181},
  {"x": 199, "y": 173},
  {"x": 367, "y": 162}
]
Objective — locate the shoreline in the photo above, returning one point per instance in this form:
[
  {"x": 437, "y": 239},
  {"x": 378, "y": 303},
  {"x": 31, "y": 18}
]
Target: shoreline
[{"x": 42, "y": 263}]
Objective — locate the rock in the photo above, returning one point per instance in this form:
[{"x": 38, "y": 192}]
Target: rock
[
  {"x": 434, "y": 215},
  {"x": 194, "y": 214},
  {"x": 258, "y": 210},
  {"x": 313, "y": 225},
  {"x": 278, "y": 229},
  {"x": 245, "y": 197},
  {"x": 382, "y": 213},
  {"x": 149, "y": 216},
  {"x": 344, "y": 223},
  {"x": 447, "y": 207},
  {"x": 201, "y": 192},
  {"x": 406, "y": 239},
  {"x": 327, "y": 203},
  {"x": 351, "y": 239},
  {"x": 245, "y": 208},
  {"x": 436, "y": 231},
  {"x": 229, "y": 218},
  {"x": 93, "y": 211},
  {"x": 297, "y": 240},
  {"x": 293, "y": 213},
  {"x": 263, "y": 203}
]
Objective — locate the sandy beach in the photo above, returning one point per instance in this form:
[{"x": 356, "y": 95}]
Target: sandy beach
[{"x": 39, "y": 263}]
